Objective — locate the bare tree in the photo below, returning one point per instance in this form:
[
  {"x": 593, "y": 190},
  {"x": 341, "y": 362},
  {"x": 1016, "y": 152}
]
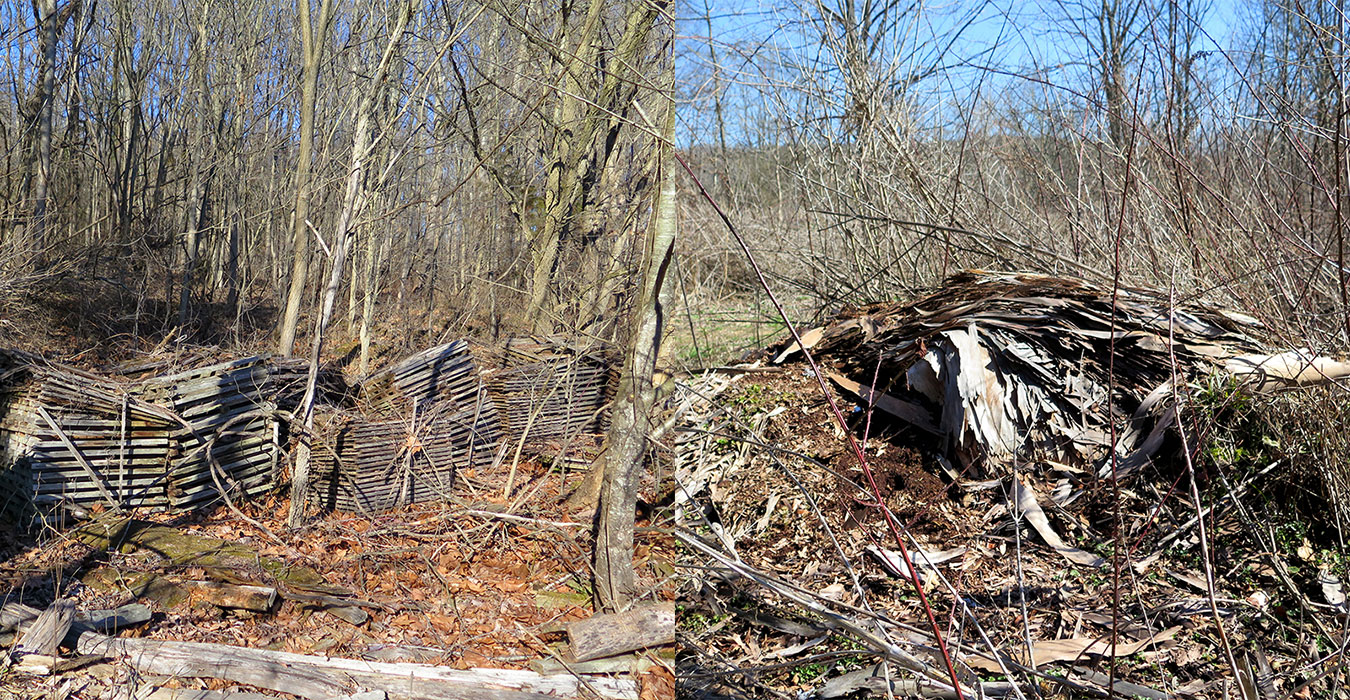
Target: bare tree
[
  {"x": 626, "y": 441},
  {"x": 50, "y": 20},
  {"x": 351, "y": 206},
  {"x": 313, "y": 36}
]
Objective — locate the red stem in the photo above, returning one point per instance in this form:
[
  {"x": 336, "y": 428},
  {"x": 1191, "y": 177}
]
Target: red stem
[{"x": 891, "y": 523}]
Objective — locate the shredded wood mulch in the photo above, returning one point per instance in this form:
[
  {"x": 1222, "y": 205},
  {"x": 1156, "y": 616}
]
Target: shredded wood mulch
[{"x": 796, "y": 587}]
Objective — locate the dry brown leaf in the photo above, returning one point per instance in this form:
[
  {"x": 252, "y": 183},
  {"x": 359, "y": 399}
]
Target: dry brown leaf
[
  {"x": 1055, "y": 650},
  {"x": 444, "y": 623},
  {"x": 656, "y": 684},
  {"x": 404, "y": 620},
  {"x": 470, "y": 659}
]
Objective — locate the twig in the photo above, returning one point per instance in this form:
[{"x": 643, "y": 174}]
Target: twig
[
  {"x": 1195, "y": 497},
  {"x": 891, "y": 522}
]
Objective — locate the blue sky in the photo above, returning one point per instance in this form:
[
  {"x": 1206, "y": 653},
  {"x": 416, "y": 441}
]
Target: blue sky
[{"x": 998, "y": 45}]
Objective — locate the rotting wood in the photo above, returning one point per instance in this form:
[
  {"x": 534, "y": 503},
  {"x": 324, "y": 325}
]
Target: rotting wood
[
  {"x": 1028, "y": 367},
  {"x": 624, "y": 663},
  {"x": 642, "y": 626},
  {"x": 420, "y": 422},
  {"x": 323, "y": 677},
  {"x": 43, "y": 636},
  {"x": 909, "y": 412},
  {"x": 94, "y": 476},
  {"x": 150, "y": 435},
  {"x": 192, "y": 694},
  {"x": 878, "y": 683},
  {"x": 43, "y": 665},
  {"x": 228, "y": 595},
  {"x": 550, "y": 389},
  {"x": 19, "y": 616}
]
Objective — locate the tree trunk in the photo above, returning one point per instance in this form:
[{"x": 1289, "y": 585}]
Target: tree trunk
[
  {"x": 311, "y": 51},
  {"x": 341, "y": 241},
  {"x": 626, "y": 443},
  {"x": 567, "y": 167},
  {"x": 50, "y": 23}
]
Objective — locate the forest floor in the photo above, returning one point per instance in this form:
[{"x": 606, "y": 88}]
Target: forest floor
[
  {"x": 802, "y": 577},
  {"x": 479, "y": 582}
]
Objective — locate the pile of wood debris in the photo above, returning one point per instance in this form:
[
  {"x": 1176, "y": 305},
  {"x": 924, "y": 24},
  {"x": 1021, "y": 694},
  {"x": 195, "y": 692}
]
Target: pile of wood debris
[
  {"x": 71, "y": 439},
  {"x": 987, "y": 412},
  {"x": 1004, "y": 367},
  {"x": 482, "y": 594},
  {"x": 417, "y": 424},
  {"x": 414, "y": 425}
]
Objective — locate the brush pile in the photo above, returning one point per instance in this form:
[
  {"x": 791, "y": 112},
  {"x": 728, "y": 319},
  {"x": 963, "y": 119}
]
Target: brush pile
[
  {"x": 999, "y": 367},
  {"x": 982, "y": 410}
]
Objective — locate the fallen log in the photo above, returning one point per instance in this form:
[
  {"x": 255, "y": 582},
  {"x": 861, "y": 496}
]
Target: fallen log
[
  {"x": 192, "y": 694},
  {"x": 604, "y": 635},
  {"x": 16, "y": 615},
  {"x": 43, "y": 665},
  {"x": 44, "y": 635},
  {"x": 189, "y": 694},
  {"x": 321, "y": 678},
  {"x": 228, "y": 595},
  {"x": 324, "y": 678},
  {"x": 109, "y": 621}
]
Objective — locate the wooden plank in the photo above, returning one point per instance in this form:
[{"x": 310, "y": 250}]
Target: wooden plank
[
  {"x": 646, "y": 625},
  {"x": 44, "y": 635},
  {"x": 227, "y": 595},
  {"x": 98, "y": 480},
  {"x": 323, "y": 677}
]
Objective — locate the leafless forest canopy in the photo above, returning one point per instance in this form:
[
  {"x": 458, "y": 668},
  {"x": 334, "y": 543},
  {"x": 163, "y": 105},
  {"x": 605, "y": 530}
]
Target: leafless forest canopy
[
  {"x": 872, "y": 148},
  {"x": 197, "y": 164},
  {"x": 201, "y": 167}
]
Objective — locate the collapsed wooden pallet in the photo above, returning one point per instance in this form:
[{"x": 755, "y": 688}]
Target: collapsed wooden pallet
[
  {"x": 552, "y": 391},
  {"x": 69, "y": 439},
  {"x": 1009, "y": 367},
  {"x": 232, "y": 440},
  {"x": 419, "y": 423},
  {"x": 365, "y": 465},
  {"x": 442, "y": 374}
]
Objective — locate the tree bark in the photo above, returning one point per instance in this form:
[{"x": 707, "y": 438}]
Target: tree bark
[
  {"x": 311, "y": 48},
  {"x": 341, "y": 242},
  {"x": 567, "y": 166},
  {"x": 626, "y": 443},
  {"x": 50, "y": 22}
]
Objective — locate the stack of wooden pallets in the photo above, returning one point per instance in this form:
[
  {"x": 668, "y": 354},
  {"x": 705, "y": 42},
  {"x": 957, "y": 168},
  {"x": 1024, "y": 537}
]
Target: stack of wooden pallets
[
  {"x": 71, "y": 439},
  {"x": 552, "y": 391},
  {"x": 232, "y": 437},
  {"x": 420, "y": 421},
  {"x": 444, "y": 374}
]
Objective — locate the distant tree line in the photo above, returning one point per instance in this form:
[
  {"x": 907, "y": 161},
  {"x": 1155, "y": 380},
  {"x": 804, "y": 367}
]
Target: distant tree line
[{"x": 872, "y": 148}]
